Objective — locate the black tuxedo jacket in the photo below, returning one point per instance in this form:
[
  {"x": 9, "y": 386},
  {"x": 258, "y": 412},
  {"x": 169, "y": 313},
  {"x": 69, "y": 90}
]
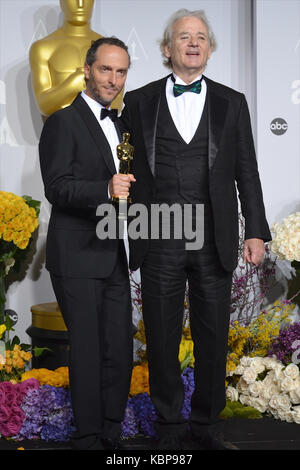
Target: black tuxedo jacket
[
  {"x": 76, "y": 165},
  {"x": 231, "y": 161}
]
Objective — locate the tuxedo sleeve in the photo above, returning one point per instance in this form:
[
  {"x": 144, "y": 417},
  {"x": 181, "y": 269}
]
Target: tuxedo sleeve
[
  {"x": 248, "y": 181},
  {"x": 63, "y": 188}
]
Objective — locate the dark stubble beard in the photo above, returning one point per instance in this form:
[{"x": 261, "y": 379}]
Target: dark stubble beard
[{"x": 92, "y": 89}]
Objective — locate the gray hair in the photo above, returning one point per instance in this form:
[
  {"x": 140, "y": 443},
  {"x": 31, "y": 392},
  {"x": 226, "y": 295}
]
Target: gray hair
[{"x": 168, "y": 32}]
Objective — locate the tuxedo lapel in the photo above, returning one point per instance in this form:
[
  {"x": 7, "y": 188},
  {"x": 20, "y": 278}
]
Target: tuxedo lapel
[
  {"x": 217, "y": 110},
  {"x": 149, "y": 108},
  {"x": 96, "y": 132}
]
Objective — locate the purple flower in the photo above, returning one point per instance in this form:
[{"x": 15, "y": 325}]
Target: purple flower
[
  {"x": 48, "y": 413},
  {"x": 30, "y": 429},
  {"x": 29, "y": 384},
  {"x": 129, "y": 425},
  {"x": 284, "y": 345},
  {"x": 189, "y": 386}
]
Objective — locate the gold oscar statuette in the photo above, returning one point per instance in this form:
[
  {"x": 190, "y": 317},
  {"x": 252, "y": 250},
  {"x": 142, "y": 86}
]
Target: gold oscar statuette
[{"x": 125, "y": 155}]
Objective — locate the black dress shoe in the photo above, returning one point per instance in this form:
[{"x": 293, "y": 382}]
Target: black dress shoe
[
  {"x": 169, "y": 442},
  {"x": 216, "y": 442}
]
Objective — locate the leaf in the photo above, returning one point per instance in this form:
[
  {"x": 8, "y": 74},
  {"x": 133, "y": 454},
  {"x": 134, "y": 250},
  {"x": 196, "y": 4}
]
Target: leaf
[
  {"x": 15, "y": 340},
  {"x": 33, "y": 203},
  {"x": 39, "y": 351},
  {"x": 25, "y": 347},
  {"x": 9, "y": 323}
]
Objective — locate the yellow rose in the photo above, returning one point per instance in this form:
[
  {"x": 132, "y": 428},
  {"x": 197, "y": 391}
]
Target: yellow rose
[
  {"x": 8, "y": 235},
  {"x": 23, "y": 244}
]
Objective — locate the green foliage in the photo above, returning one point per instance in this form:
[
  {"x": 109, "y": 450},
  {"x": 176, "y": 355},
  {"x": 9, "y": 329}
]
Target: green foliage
[{"x": 235, "y": 409}]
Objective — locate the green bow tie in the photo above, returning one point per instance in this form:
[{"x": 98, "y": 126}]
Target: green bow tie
[{"x": 193, "y": 87}]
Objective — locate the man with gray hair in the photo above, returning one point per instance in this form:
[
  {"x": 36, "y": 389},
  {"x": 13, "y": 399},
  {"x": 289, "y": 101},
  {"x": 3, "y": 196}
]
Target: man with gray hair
[{"x": 193, "y": 144}]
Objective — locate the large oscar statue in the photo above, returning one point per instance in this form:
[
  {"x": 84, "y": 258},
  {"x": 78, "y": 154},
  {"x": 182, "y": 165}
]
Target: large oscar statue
[{"x": 57, "y": 60}]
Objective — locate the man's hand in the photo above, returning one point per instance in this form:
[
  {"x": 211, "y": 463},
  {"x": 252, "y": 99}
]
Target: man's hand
[
  {"x": 120, "y": 184},
  {"x": 254, "y": 250}
]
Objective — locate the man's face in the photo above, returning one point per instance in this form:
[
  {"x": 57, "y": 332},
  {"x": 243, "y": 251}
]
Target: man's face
[
  {"x": 107, "y": 75},
  {"x": 77, "y": 11},
  {"x": 190, "y": 47}
]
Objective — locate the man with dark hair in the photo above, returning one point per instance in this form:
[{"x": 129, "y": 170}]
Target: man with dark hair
[
  {"x": 90, "y": 278},
  {"x": 193, "y": 143}
]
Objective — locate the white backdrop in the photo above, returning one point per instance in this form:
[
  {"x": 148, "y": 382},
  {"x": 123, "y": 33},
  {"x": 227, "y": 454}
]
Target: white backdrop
[{"x": 258, "y": 53}]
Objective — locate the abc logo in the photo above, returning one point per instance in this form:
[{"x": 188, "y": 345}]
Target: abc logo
[{"x": 278, "y": 126}]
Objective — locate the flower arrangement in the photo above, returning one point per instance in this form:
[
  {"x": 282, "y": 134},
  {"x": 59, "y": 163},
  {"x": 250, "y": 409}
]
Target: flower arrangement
[
  {"x": 13, "y": 356},
  {"x": 18, "y": 221},
  {"x": 286, "y": 346},
  {"x": 286, "y": 240},
  {"x": 262, "y": 369},
  {"x": 267, "y": 385},
  {"x": 256, "y": 338},
  {"x": 29, "y": 410}
]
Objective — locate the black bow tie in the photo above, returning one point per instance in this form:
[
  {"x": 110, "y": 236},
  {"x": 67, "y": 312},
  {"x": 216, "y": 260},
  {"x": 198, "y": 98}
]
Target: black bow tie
[{"x": 111, "y": 113}]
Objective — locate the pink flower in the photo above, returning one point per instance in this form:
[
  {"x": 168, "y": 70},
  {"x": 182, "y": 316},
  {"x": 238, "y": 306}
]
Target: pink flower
[
  {"x": 28, "y": 385},
  {"x": 2, "y": 396},
  {"x": 6, "y": 387},
  {"x": 13, "y": 425},
  {"x": 5, "y": 413}
]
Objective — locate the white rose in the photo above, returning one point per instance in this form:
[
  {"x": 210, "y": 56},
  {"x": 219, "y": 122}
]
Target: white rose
[
  {"x": 239, "y": 370},
  {"x": 244, "y": 399},
  {"x": 270, "y": 362},
  {"x": 268, "y": 390},
  {"x": 273, "y": 412},
  {"x": 296, "y": 414},
  {"x": 258, "y": 364},
  {"x": 291, "y": 371},
  {"x": 245, "y": 361},
  {"x": 295, "y": 396},
  {"x": 242, "y": 386},
  {"x": 278, "y": 374},
  {"x": 232, "y": 394},
  {"x": 287, "y": 384},
  {"x": 255, "y": 388},
  {"x": 269, "y": 378},
  {"x": 259, "y": 404},
  {"x": 280, "y": 402},
  {"x": 284, "y": 403},
  {"x": 249, "y": 375},
  {"x": 285, "y": 416}
]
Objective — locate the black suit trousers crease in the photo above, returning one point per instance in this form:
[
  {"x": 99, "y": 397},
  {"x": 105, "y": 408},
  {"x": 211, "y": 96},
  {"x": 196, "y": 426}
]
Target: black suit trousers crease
[
  {"x": 167, "y": 267},
  {"x": 97, "y": 313}
]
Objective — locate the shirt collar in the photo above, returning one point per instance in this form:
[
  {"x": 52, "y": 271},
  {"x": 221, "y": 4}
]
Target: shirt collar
[
  {"x": 181, "y": 82},
  {"x": 93, "y": 104}
]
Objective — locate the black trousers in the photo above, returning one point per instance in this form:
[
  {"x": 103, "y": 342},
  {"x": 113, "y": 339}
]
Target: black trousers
[
  {"x": 98, "y": 315},
  {"x": 164, "y": 274}
]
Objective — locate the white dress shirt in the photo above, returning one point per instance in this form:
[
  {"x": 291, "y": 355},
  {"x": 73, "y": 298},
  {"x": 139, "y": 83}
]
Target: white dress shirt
[
  {"x": 107, "y": 126},
  {"x": 186, "y": 109},
  {"x": 111, "y": 134}
]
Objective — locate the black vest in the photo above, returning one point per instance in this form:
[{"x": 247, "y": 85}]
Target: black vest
[{"x": 181, "y": 169}]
